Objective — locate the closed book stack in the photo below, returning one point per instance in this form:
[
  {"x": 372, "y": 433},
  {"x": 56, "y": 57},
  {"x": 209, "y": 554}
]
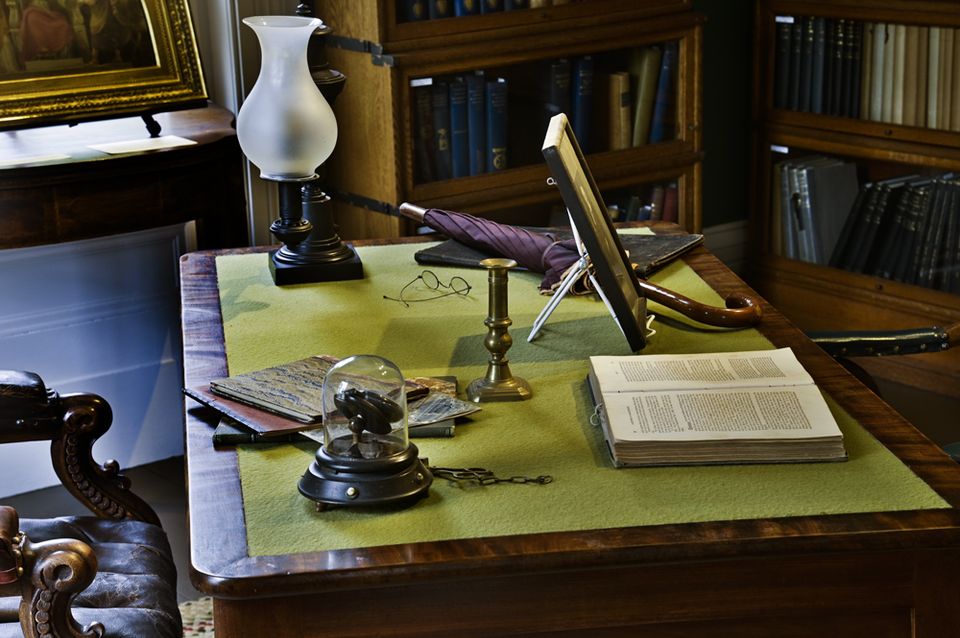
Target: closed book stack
[{"x": 904, "y": 74}]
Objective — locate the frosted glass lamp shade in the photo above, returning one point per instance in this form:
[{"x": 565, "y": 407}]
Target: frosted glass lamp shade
[{"x": 285, "y": 126}]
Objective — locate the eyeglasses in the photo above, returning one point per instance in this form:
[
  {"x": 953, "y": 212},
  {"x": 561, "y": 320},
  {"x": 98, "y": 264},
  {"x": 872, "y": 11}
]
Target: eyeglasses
[{"x": 456, "y": 286}]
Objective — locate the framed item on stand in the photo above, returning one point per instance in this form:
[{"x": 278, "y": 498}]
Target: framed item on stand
[{"x": 73, "y": 60}]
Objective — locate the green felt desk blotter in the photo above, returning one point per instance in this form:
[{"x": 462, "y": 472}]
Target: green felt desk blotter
[{"x": 549, "y": 434}]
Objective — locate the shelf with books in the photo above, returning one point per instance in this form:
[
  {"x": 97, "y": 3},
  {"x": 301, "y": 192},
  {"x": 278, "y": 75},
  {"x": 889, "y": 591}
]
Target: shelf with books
[
  {"x": 615, "y": 100},
  {"x": 389, "y": 145},
  {"x": 894, "y": 221},
  {"x": 656, "y": 196},
  {"x": 500, "y": 18},
  {"x": 894, "y": 70},
  {"x": 856, "y": 221}
]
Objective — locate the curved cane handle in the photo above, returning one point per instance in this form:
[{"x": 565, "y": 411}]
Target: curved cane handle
[{"x": 741, "y": 311}]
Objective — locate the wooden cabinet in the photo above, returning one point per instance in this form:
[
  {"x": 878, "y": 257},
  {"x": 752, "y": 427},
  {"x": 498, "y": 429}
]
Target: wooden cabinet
[
  {"x": 882, "y": 141},
  {"x": 374, "y": 166}
]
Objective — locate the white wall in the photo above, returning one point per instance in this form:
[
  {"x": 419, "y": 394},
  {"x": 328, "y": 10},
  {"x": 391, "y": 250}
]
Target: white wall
[
  {"x": 99, "y": 315},
  {"x": 102, "y": 315}
]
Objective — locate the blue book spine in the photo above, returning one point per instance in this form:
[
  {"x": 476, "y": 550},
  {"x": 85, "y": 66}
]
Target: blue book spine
[
  {"x": 514, "y": 5},
  {"x": 466, "y": 7},
  {"x": 440, "y": 9},
  {"x": 477, "y": 123},
  {"x": 441, "y": 130},
  {"x": 582, "y": 100},
  {"x": 459, "y": 140},
  {"x": 416, "y": 10},
  {"x": 665, "y": 104},
  {"x": 497, "y": 125},
  {"x": 490, "y": 6},
  {"x": 558, "y": 90}
]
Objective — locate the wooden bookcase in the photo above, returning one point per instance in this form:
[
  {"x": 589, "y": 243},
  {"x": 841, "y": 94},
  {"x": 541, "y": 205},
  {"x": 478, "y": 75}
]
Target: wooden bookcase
[
  {"x": 819, "y": 297},
  {"x": 372, "y": 169}
]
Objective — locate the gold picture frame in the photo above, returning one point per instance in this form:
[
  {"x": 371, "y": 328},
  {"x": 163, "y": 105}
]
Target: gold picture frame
[{"x": 73, "y": 60}]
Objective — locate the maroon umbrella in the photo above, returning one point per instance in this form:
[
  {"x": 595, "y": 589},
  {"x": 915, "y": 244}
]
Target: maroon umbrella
[
  {"x": 537, "y": 252},
  {"x": 541, "y": 252}
]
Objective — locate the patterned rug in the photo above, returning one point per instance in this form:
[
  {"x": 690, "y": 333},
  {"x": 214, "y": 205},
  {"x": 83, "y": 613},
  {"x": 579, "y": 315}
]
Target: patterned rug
[{"x": 197, "y": 618}]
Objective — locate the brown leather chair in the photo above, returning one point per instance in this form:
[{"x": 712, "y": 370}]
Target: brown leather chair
[{"x": 111, "y": 576}]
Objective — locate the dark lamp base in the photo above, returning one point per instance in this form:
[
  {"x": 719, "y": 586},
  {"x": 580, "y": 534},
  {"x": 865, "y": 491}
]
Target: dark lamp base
[
  {"x": 285, "y": 272},
  {"x": 399, "y": 480}
]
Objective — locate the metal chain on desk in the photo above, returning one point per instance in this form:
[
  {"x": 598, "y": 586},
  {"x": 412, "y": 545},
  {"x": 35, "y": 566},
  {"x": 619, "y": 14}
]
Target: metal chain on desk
[{"x": 484, "y": 476}]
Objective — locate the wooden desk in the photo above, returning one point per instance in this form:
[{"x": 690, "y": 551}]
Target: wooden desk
[
  {"x": 79, "y": 192},
  {"x": 875, "y": 574}
]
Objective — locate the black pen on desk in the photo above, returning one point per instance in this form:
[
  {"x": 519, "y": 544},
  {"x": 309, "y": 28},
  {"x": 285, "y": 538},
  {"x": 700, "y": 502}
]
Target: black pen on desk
[{"x": 429, "y": 430}]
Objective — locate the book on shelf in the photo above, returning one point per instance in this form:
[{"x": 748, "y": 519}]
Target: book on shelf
[
  {"x": 491, "y": 6},
  {"x": 459, "y": 135},
  {"x": 620, "y": 135},
  {"x": 657, "y": 194},
  {"x": 833, "y": 188},
  {"x": 905, "y": 229},
  {"x": 796, "y": 50},
  {"x": 715, "y": 408},
  {"x": 415, "y": 10},
  {"x": 423, "y": 129},
  {"x": 443, "y": 156},
  {"x": 671, "y": 203},
  {"x": 663, "y": 121},
  {"x": 805, "y": 89},
  {"x": 466, "y": 7},
  {"x": 515, "y": 5},
  {"x": 496, "y": 111},
  {"x": 582, "y": 100},
  {"x": 817, "y": 64},
  {"x": 440, "y": 9},
  {"x": 556, "y": 94},
  {"x": 644, "y": 69},
  {"x": 477, "y": 122},
  {"x": 781, "y": 75},
  {"x": 813, "y": 197}
]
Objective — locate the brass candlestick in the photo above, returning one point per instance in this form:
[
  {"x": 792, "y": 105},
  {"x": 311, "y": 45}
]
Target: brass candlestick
[{"x": 498, "y": 384}]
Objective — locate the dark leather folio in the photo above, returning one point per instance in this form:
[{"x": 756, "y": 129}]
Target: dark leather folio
[{"x": 648, "y": 252}]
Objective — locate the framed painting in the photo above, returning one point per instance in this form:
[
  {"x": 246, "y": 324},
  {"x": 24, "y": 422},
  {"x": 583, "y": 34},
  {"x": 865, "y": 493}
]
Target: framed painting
[
  {"x": 73, "y": 60},
  {"x": 616, "y": 282}
]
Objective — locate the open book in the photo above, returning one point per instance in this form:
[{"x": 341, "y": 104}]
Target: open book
[{"x": 737, "y": 407}]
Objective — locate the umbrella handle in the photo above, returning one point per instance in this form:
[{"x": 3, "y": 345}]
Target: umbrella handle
[
  {"x": 742, "y": 310},
  {"x": 412, "y": 211}
]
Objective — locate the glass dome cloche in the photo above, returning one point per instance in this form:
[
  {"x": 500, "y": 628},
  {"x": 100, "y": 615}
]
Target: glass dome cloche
[{"x": 366, "y": 457}]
